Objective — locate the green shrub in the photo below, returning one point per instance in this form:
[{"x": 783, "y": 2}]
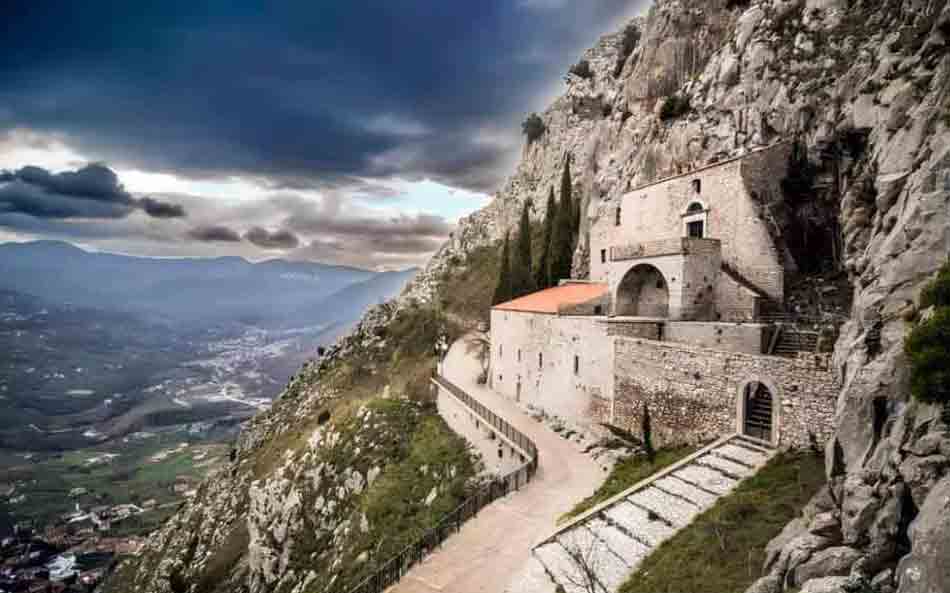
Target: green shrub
[
  {"x": 937, "y": 293},
  {"x": 928, "y": 348},
  {"x": 533, "y": 127},
  {"x": 928, "y": 345},
  {"x": 582, "y": 69},
  {"x": 674, "y": 106}
]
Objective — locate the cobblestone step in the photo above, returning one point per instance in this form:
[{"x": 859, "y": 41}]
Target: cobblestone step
[
  {"x": 730, "y": 468},
  {"x": 595, "y": 556},
  {"x": 706, "y": 478},
  {"x": 675, "y": 511},
  {"x": 565, "y": 570},
  {"x": 700, "y": 498},
  {"x": 614, "y": 540}
]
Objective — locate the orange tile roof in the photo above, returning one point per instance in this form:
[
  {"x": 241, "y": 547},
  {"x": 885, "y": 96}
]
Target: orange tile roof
[{"x": 550, "y": 300}]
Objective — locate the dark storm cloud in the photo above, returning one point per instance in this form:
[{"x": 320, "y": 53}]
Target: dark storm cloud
[
  {"x": 305, "y": 94},
  {"x": 159, "y": 209},
  {"x": 92, "y": 191},
  {"x": 214, "y": 233},
  {"x": 279, "y": 239}
]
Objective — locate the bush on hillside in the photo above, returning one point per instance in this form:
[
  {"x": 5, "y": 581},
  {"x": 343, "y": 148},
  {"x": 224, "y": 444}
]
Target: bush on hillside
[
  {"x": 675, "y": 106},
  {"x": 533, "y": 127},
  {"x": 928, "y": 345},
  {"x": 937, "y": 292},
  {"x": 581, "y": 69},
  {"x": 631, "y": 37}
]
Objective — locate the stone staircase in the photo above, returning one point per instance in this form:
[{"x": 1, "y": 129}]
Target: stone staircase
[
  {"x": 792, "y": 340},
  {"x": 598, "y": 550}
]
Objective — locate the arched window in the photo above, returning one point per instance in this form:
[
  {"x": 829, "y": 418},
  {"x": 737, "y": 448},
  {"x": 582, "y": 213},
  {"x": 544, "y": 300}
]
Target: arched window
[{"x": 694, "y": 220}]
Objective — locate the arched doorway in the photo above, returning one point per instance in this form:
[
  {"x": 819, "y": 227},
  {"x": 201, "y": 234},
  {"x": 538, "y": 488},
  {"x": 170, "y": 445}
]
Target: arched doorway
[
  {"x": 643, "y": 292},
  {"x": 757, "y": 402}
]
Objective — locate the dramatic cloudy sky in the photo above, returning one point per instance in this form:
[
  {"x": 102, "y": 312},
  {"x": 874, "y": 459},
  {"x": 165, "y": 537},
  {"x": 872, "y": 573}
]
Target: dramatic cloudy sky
[{"x": 350, "y": 131}]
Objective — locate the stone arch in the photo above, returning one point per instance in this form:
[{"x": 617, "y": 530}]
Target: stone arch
[
  {"x": 643, "y": 292},
  {"x": 758, "y": 404}
]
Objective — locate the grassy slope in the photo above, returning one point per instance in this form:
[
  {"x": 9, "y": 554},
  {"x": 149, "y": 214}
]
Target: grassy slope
[
  {"x": 724, "y": 548},
  {"x": 627, "y": 473}
]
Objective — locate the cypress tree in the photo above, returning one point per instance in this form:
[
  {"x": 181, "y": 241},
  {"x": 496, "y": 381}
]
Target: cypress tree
[
  {"x": 542, "y": 277},
  {"x": 567, "y": 197},
  {"x": 503, "y": 288},
  {"x": 522, "y": 280},
  {"x": 562, "y": 239},
  {"x": 647, "y": 428}
]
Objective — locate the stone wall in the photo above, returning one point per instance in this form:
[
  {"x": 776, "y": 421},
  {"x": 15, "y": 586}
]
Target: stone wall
[
  {"x": 497, "y": 454},
  {"x": 552, "y": 382},
  {"x": 695, "y": 394},
  {"x": 734, "y": 337}
]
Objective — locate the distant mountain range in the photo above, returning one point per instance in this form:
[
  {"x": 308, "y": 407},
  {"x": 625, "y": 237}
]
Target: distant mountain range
[{"x": 273, "y": 293}]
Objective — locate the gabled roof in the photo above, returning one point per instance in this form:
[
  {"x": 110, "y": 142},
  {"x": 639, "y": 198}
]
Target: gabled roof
[{"x": 550, "y": 300}]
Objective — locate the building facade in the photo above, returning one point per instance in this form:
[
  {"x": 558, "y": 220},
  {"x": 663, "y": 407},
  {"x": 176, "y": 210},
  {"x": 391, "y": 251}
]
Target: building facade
[{"x": 683, "y": 272}]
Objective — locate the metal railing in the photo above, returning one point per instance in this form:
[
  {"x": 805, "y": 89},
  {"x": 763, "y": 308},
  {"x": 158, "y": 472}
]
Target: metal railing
[{"x": 388, "y": 573}]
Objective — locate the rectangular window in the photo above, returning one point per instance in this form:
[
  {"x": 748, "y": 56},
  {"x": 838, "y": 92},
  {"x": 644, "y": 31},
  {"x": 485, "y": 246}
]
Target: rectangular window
[
  {"x": 577, "y": 364},
  {"x": 697, "y": 186},
  {"x": 694, "y": 230},
  {"x": 519, "y": 354},
  {"x": 603, "y": 256},
  {"x": 617, "y": 217},
  {"x": 540, "y": 360},
  {"x": 500, "y": 351}
]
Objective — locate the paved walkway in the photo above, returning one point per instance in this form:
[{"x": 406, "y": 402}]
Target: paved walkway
[
  {"x": 495, "y": 546},
  {"x": 601, "y": 548}
]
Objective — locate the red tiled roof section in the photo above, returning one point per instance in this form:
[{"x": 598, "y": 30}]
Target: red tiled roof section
[{"x": 550, "y": 300}]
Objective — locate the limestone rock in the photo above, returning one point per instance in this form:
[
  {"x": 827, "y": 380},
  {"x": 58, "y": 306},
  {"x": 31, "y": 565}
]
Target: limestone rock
[
  {"x": 825, "y": 585},
  {"x": 836, "y": 561},
  {"x": 925, "y": 569}
]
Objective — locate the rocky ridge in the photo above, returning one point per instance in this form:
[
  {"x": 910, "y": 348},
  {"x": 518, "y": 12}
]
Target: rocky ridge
[{"x": 864, "y": 88}]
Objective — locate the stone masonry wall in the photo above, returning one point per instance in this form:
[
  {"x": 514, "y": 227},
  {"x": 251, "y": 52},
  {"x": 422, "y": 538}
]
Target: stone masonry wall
[
  {"x": 551, "y": 383},
  {"x": 499, "y": 457},
  {"x": 694, "y": 393},
  {"x": 734, "y": 337}
]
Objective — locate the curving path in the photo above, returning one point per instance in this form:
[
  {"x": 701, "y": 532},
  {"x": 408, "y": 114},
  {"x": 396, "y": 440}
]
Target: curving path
[{"x": 495, "y": 546}]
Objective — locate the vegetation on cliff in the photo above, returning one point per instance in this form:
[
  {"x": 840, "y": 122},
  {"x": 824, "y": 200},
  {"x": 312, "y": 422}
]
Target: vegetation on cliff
[{"x": 928, "y": 345}]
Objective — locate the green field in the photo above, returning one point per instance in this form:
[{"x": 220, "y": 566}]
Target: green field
[{"x": 132, "y": 477}]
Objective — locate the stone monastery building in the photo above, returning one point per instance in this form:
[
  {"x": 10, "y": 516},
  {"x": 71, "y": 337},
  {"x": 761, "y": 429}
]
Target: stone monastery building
[{"x": 682, "y": 314}]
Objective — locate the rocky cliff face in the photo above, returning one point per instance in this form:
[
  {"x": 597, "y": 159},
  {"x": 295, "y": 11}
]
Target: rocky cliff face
[{"x": 863, "y": 87}]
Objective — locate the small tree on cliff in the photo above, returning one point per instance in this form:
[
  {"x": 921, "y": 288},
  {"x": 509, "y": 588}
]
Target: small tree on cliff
[
  {"x": 503, "y": 287},
  {"x": 646, "y": 428},
  {"x": 522, "y": 279},
  {"x": 567, "y": 189},
  {"x": 928, "y": 345},
  {"x": 542, "y": 277},
  {"x": 562, "y": 239}
]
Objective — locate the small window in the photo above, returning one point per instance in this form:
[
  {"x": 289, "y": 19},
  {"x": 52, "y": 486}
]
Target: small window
[
  {"x": 603, "y": 256},
  {"x": 519, "y": 354},
  {"x": 697, "y": 186},
  {"x": 499, "y": 378},
  {"x": 617, "y": 217},
  {"x": 694, "y": 230},
  {"x": 577, "y": 364},
  {"x": 660, "y": 284},
  {"x": 501, "y": 350},
  {"x": 540, "y": 360},
  {"x": 598, "y": 310}
]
